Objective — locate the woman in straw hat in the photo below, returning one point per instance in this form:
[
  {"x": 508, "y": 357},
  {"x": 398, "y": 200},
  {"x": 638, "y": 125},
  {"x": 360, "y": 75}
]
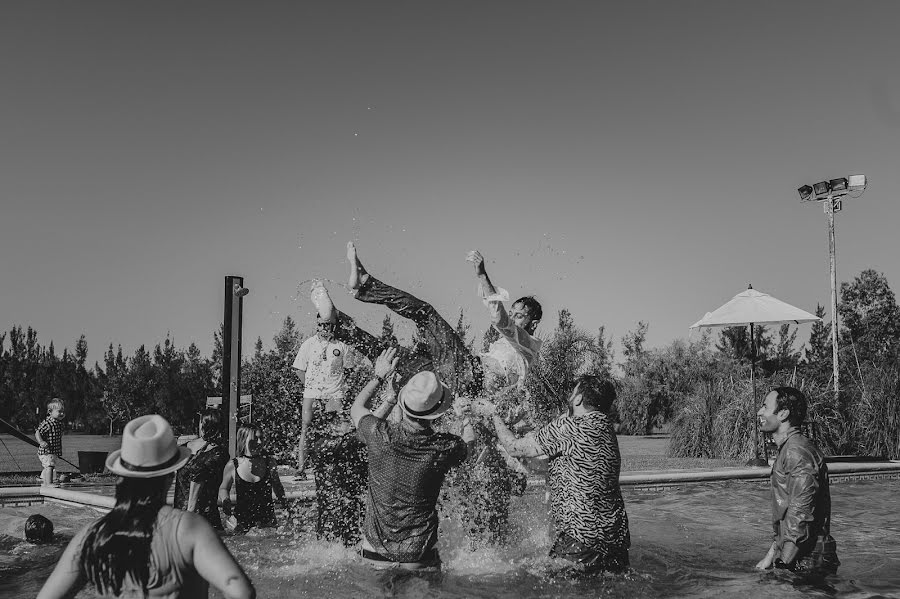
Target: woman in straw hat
[{"x": 143, "y": 547}]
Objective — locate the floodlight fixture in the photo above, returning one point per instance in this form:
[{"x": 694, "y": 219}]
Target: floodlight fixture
[
  {"x": 821, "y": 189},
  {"x": 838, "y": 185},
  {"x": 805, "y": 193},
  {"x": 857, "y": 183}
]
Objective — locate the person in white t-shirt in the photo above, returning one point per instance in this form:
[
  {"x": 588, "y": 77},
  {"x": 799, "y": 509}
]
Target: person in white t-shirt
[{"x": 339, "y": 458}]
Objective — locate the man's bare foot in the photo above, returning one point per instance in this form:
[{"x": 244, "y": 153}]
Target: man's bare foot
[
  {"x": 358, "y": 274},
  {"x": 321, "y": 300}
]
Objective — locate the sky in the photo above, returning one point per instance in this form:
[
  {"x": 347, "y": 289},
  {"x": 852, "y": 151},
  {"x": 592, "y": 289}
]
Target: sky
[{"x": 627, "y": 161}]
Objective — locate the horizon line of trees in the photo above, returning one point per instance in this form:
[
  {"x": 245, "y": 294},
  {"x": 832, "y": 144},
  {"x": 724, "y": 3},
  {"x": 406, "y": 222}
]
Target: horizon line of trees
[{"x": 698, "y": 388}]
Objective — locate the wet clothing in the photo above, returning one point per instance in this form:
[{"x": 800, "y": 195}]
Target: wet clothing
[
  {"x": 591, "y": 559},
  {"x": 172, "y": 573},
  {"x": 801, "y": 503},
  {"x": 324, "y": 362},
  {"x": 254, "y": 505},
  {"x": 478, "y": 495},
  {"x": 51, "y": 431},
  {"x": 431, "y": 559},
  {"x": 407, "y": 467},
  {"x": 585, "y": 499},
  {"x": 338, "y": 458},
  {"x": 509, "y": 358},
  {"x": 483, "y": 491},
  {"x": 206, "y": 468},
  {"x": 340, "y": 477},
  {"x": 449, "y": 356}
]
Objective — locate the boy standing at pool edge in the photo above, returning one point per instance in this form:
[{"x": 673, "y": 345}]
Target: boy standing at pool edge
[{"x": 49, "y": 438}]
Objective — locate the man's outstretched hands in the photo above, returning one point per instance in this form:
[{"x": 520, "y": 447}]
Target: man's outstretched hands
[
  {"x": 386, "y": 363},
  {"x": 483, "y": 407},
  {"x": 477, "y": 261}
]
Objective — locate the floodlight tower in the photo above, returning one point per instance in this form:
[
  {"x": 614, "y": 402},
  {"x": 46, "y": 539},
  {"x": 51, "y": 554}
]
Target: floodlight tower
[{"x": 830, "y": 194}]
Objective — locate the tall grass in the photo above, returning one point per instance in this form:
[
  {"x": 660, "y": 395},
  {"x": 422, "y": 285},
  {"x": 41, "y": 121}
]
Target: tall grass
[{"x": 876, "y": 412}]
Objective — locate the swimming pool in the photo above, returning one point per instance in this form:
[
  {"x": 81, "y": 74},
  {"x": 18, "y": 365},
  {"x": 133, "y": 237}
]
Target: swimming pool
[{"x": 698, "y": 540}]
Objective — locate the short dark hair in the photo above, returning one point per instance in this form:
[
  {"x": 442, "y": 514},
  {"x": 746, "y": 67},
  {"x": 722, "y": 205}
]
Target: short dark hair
[
  {"x": 597, "y": 392},
  {"x": 534, "y": 306},
  {"x": 211, "y": 425},
  {"x": 38, "y": 529},
  {"x": 792, "y": 400}
]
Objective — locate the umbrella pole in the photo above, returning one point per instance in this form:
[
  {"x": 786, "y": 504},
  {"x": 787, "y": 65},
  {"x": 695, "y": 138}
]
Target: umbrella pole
[{"x": 755, "y": 460}]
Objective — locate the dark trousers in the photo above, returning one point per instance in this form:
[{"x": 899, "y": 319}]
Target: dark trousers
[
  {"x": 341, "y": 467},
  {"x": 440, "y": 347},
  {"x": 590, "y": 559}
]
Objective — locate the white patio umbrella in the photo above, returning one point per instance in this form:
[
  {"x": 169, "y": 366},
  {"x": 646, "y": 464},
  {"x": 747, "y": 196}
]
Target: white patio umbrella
[{"x": 752, "y": 307}]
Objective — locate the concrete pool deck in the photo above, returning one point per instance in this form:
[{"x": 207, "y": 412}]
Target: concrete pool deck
[{"x": 101, "y": 497}]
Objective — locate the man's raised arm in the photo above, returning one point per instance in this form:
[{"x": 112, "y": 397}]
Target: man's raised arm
[{"x": 384, "y": 366}]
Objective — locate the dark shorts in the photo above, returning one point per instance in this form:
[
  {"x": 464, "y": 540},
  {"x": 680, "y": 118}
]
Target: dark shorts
[{"x": 591, "y": 559}]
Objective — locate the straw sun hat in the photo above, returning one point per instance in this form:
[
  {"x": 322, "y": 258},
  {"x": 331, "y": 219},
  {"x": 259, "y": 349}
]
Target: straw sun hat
[
  {"x": 148, "y": 449},
  {"x": 425, "y": 396}
]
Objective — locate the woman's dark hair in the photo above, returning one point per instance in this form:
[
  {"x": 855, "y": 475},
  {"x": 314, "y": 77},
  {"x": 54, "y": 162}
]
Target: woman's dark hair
[
  {"x": 117, "y": 546},
  {"x": 38, "y": 529},
  {"x": 211, "y": 425}
]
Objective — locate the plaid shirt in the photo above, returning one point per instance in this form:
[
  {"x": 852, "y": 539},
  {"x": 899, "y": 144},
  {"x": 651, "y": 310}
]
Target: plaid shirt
[{"x": 51, "y": 431}]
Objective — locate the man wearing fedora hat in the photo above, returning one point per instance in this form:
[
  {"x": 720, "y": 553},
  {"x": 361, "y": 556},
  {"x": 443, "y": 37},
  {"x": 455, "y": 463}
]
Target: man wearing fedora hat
[
  {"x": 170, "y": 552},
  {"x": 408, "y": 461},
  {"x": 483, "y": 491}
]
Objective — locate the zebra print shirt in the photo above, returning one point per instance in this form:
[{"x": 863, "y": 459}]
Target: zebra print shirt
[{"x": 585, "y": 499}]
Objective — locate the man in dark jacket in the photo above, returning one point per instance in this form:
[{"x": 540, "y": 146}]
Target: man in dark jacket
[{"x": 801, "y": 501}]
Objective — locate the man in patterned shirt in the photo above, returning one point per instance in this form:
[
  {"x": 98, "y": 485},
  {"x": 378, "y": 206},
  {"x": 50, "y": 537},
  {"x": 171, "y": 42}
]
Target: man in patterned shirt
[
  {"x": 49, "y": 438},
  {"x": 408, "y": 461},
  {"x": 585, "y": 500}
]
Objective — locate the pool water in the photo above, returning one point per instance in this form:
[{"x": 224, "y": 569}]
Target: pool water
[{"x": 693, "y": 541}]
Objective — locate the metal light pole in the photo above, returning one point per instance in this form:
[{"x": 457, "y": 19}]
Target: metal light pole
[
  {"x": 831, "y": 206},
  {"x": 830, "y": 194}
]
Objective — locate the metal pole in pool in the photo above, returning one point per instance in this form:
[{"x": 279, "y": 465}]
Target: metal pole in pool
[{"x": 231, "y": 355}]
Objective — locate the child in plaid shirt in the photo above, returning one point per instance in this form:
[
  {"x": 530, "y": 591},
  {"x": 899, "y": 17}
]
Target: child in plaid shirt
[{"x": 49, "y": 437}]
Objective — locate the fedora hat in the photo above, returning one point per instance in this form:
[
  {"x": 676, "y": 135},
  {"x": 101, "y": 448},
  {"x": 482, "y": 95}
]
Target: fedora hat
[
  {"x": 148, "y": 449},
  {"x": 425, "y": 396}
]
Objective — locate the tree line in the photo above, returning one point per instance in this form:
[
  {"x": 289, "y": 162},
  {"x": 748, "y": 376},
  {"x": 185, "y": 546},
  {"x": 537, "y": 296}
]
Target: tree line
[{"x": 697, "y": 388}]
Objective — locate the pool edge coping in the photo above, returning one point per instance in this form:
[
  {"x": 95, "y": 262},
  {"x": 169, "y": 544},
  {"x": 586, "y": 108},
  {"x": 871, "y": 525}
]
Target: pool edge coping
[{"x": 841, "y": 471}]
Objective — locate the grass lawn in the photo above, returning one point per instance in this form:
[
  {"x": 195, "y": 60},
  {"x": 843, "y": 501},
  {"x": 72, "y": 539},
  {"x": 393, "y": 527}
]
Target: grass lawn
[{"x": 16, "y": 455}]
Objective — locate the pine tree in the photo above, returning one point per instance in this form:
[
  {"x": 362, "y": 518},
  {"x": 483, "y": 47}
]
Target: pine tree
[{"x": 287, "y": 340}]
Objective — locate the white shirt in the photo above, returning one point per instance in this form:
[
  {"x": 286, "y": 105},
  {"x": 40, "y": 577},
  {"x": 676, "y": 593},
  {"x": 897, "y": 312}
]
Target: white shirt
[
  {"x": 512, "y": 355},
  {"x": 324, "y": 363}
]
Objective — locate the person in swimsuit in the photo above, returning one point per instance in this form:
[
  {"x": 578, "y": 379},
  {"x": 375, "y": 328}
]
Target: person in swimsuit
[{"x": 254, "y": 473}]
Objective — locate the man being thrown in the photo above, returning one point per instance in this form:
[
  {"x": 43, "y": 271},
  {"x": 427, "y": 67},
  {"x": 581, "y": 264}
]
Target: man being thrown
[
  {"x": 801, "y": 500},
  {"x": 585, "y": 500},
  {"x": 408, "y": 461},
  {"x": 508, "y": 359}
]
